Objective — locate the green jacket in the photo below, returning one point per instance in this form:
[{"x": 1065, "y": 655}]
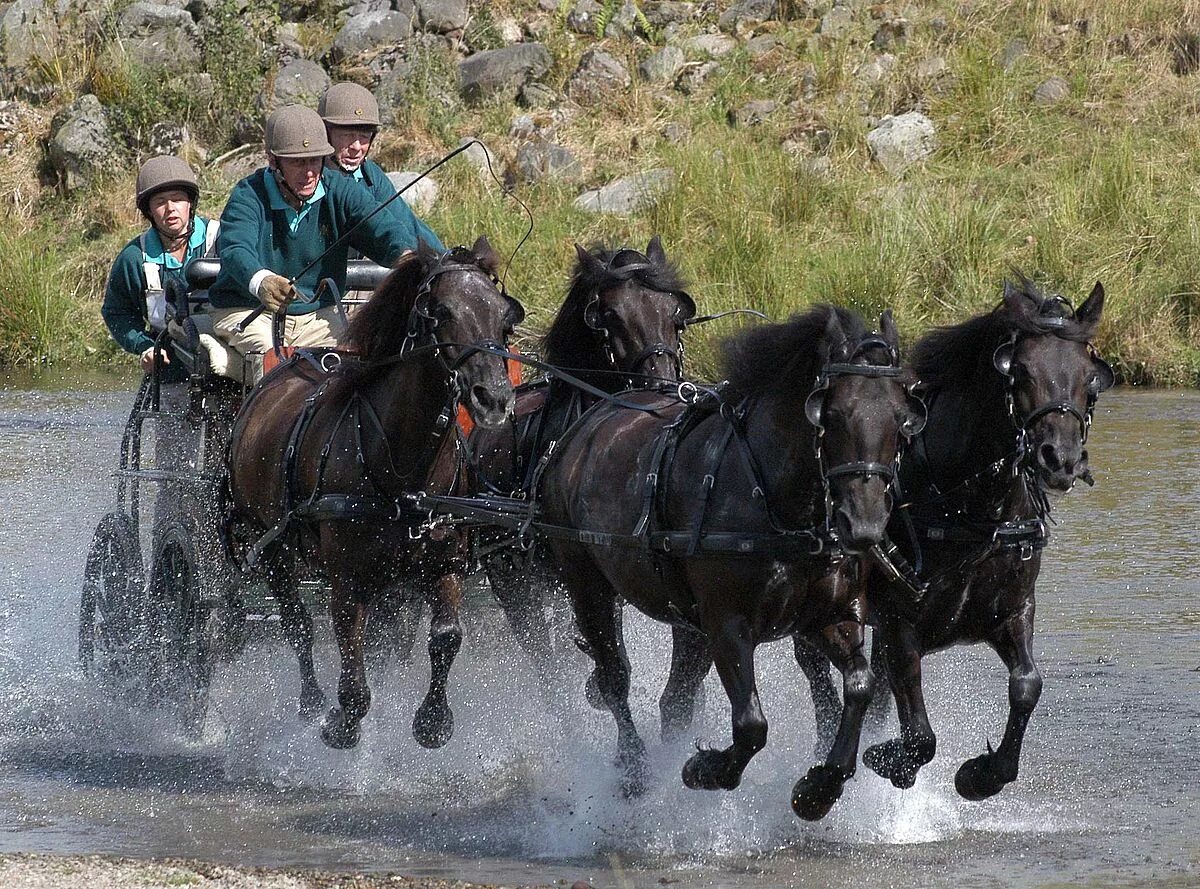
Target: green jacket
[
  {"x": 124, "y": 307},
  {"x": 256, "y": 235}
]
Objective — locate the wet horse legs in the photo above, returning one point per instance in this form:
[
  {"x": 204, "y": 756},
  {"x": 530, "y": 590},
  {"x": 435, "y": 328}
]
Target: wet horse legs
[
  {"x": 349, "y": 611},
  {"x": 986, "y": 774},
  {"x": 433, "y": 724},
  {"x": 297, "y": 627},
  {"x": 690, "y": 663},
  {"x": 901, "y": 758}
]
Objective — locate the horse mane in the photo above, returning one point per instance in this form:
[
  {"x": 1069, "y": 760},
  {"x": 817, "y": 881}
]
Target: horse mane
[
  {"x": 377, "y": 329},
  {"x": 783, "y": 358},
  {"x": 569, "y": 341},
  {"x": 955, "y": 353}
]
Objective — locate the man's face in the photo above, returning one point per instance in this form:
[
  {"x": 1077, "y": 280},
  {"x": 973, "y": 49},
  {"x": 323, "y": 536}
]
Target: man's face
[
  {"x": 301, "y": 174},
  {"x": 170, "y": 212},
  {"x": 350, "y": 145}
]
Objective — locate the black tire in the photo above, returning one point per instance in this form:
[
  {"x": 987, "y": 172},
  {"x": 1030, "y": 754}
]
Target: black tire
[
  {"x": 181, "y": 627},
  {"x": 112, "y": 610}
]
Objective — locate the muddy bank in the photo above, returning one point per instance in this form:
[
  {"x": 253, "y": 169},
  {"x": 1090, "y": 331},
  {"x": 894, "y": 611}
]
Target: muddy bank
[{"x": 90, "y": 871}]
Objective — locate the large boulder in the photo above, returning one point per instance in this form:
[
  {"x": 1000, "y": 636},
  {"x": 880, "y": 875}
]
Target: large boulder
[
  {"x": 500, "y": 73},
  {"x": 299, "y": 82},
  {"x": 747, "y": 11},
  {"x": 160, "y": 36},
  {"x": 898, "y": 142},
  {"x": 627, "y": 195},
  {"x": 82, "y": 146},
  {"x": 28, "y": 33},
  {"x": 662, "y": 66},
  {"x": 371, "y": 30},
  {"x": 598, "y": 75},
  {"x": 442, "y": 16},
  {"x": 537, "y": 161}
]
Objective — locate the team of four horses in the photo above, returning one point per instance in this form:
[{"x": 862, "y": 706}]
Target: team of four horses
[{"x": 773, "y": 504}]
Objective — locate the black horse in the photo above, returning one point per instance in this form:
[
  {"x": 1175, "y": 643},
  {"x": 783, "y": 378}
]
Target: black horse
[
  {"x": 1010, "y": 397},
  {"x": 719, "y": 517},
  {"x": 619, "y": 328}
]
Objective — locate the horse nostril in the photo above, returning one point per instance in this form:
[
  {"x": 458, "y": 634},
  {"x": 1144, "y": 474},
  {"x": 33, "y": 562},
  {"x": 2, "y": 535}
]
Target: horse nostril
[
  {"x": 483, "y": 396},
  {"x": 1049, "y": 457}
]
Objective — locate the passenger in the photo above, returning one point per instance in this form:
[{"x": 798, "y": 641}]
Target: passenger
[
  {"x": 280, "y": 220},
  {"x": 351, "y": 117},
  {"x": 134, "y": 308}
]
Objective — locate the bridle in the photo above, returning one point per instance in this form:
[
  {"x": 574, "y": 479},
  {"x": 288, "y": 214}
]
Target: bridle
[
  {"x": 814, "y": 409},
  {"x": 595, "y": 322}
]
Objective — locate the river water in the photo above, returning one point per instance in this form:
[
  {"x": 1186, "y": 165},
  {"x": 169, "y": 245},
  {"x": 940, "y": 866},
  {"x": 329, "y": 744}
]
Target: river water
[{"x": 1109, "y": 792}]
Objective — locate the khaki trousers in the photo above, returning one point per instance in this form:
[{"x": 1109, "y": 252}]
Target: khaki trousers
[{"x": 324, "y": 327}]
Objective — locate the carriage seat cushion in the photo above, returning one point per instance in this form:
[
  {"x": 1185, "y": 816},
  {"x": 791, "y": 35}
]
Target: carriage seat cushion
[{"x": 222, "y": 360}]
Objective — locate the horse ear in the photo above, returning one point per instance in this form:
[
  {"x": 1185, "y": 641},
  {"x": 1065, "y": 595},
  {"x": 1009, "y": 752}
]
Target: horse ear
[
  {"x": 588, "y": 264},
  {"x": 1017, "y": 300},
  {"x": 655, "y": 252},
  {"x": 1088, "y": 314},
  {"x": 427, "y": 254},
  {"x": 834, "y": 340},
  {"x": 486, "y": 256},
  {"x": 888, "y": 328}
]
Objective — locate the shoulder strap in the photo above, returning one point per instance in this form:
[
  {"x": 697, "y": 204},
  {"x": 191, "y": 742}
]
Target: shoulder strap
[{"x": 150, "y": 269}]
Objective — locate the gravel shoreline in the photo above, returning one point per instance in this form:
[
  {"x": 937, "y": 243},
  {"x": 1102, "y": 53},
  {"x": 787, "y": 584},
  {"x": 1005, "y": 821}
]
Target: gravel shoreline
[{"x": 36, "y": 871}]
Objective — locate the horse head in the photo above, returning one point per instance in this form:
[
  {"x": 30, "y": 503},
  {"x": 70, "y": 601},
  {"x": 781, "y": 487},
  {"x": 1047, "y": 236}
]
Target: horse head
[
  {"x": 863, "y": 409},
  {"x": 1053, "y": 377},
  {"x": 624, "y": 316}
]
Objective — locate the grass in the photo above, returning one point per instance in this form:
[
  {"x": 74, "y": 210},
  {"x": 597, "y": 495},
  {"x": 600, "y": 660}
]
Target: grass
[{"x": 1101, "y": 186}]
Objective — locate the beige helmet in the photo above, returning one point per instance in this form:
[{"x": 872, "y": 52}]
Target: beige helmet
[
  {"x": 349, "y": 105},
  {"x": 296, "y": 131},
  {"x": 161, "y": 173}
]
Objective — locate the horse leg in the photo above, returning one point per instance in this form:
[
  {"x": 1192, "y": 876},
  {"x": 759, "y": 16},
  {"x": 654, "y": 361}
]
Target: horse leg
[
  {"x": 433, "y": 724},
  {"x": 690, "y": 663},
  {"x": 986, "y": 775},
  {"x": 899, "y": 759},
  {"x": 815, "y": 793},
  {"x": 598, "y": 617},
  {"x": 827, "y": 706},
  {"x": 348, "y": 607},
  {"x": 521, "y": 601},
  {"x": 881, "y": 699},
  {"x": 733, "y": 653},
  {"x": 297, "y": 627},
  {"x": 392, "y": 627}
]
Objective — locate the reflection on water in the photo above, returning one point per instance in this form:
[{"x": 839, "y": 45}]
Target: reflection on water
[{"x": 1108, "y": 791}]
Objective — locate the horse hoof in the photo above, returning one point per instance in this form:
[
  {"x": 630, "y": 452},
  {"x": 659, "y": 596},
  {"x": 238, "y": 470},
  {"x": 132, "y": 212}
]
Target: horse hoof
[
  {"x": 708, "y": 770},
  {"x": 312, "y": 702},
  {"x": 338, "y": 733},
  {"x": 815, "y": 793},
  {"x": 890, "y": 760},
  {"x": 976, "y": 779},
  {"x": 592, "y": 691},
  {"x": 433, "y": 726}
]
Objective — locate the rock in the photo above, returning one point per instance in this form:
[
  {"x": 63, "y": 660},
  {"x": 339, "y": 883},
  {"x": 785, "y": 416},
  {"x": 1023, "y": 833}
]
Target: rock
[
  {"x": 675, "y": 132},
  {"x": 477, "y": 155},
  {"x": 1015, "y": 51},
  {"x": 627, "y": 195},
  {"x": 891, "y": 34},
  {"x": 242, "y": 164},
  {"x": 548, "y": 5},
  {"x": 371, "y": 30},
  {"x": 898, "y": 142},
  {"x": 160, "y": 36},
  {"x": 746, "y": 11},
  {"x": 836, "y": 22},
  {"x": 1185, "y": 52},
  {"x": 28, "y": 33},
  {"x": 663, "y": 65},
  {"x": 666, "y": 13},
  {"x": 300, "y": 82},
  {"x": 714, "y": 45},
  {"x": 1052, "y": 91},
  {"x": 928, "y": 69},
  {"x": 759, "y": 46},
  {"x": 938, "y": 24},
  {"x": 500, "y": 73},
  {"x": 362, "y": 7},
  {"x": 537, "y": 95},
  {"x": 18, "y": 126},
  {"x": 421, "y": 196},
  {"x": 598, "y": 75},
  {"x": 167, "y": 138},
  {"x": 752, "y": 113},
  {"x": 584, "y": 17},
  {"x": 82, "y": 146},
  {"x": 538, "y": 161},
  {"x": 875, "y": 70},
  {"x": 694, "y": 75},
  {"x": 820, "y": 167},
  {"x": 442, "y": 16},
  {"x": 510, "y": 30}
]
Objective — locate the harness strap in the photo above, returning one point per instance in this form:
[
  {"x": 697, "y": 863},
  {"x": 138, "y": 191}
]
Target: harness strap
[{"x": 714, "y": 454}]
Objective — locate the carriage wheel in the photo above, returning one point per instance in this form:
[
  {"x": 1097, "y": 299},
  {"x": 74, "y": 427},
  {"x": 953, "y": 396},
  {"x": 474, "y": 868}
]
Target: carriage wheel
[
  {"x": 112, "y": 609},
  {"x": 181, "y": 626}
]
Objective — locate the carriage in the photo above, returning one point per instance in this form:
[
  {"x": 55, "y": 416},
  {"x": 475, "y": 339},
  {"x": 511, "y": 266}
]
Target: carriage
[{"x": 162, "y": 602}]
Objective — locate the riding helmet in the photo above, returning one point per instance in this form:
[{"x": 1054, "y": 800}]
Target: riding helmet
[
  {"x": 296, "y": 131},
  {"x": 161, "y": 173},
  {"x": 349, "y": 105}
]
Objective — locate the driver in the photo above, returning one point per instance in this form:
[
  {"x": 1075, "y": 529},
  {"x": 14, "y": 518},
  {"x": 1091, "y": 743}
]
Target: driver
[{"x": 287, "y": 221}]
